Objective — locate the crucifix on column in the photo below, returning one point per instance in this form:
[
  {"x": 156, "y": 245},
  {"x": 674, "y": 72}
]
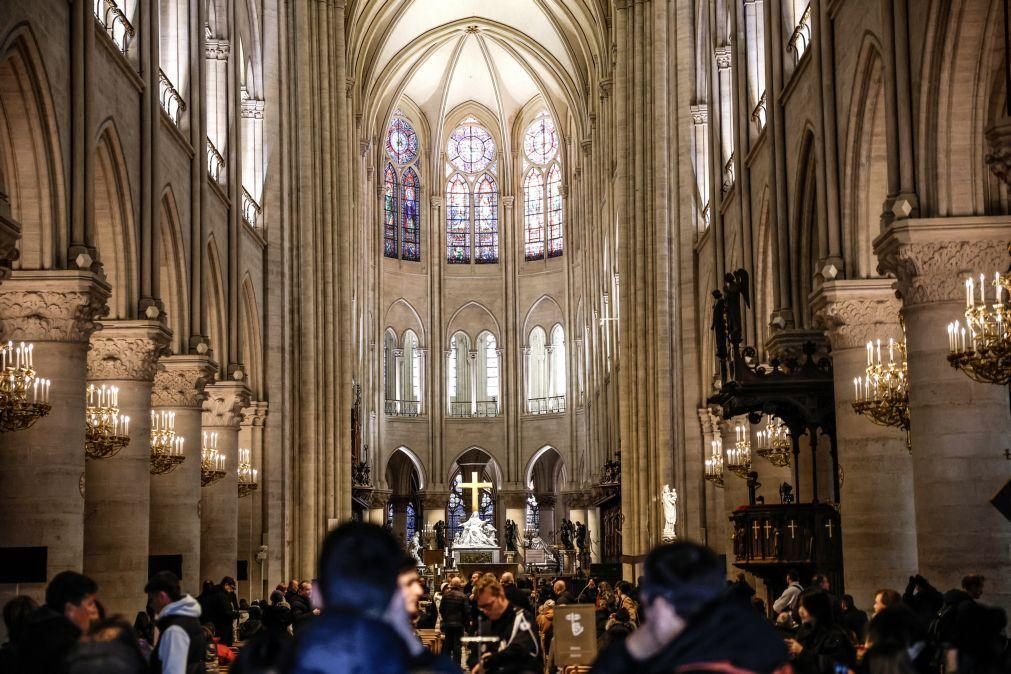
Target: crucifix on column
[{"x": 475, "y": 487}]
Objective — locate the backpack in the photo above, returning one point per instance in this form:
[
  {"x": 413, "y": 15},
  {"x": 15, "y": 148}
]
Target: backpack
[{"x": 942, "y": 626}]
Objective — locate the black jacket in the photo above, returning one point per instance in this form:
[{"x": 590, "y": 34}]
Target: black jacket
[
  {"x": 518, "y": 597},
  {"x": 454, "y": 609},
  {"x": 301, "y": 612},
  {"x": 198, "y": 644},
  {"x": 519, "y": 650},
  {"x": 48, "y": 638},
  {"x": 824, "y": 646},
  {"x": 216, "y": 608},
  {"x": 724, "y": 632}
]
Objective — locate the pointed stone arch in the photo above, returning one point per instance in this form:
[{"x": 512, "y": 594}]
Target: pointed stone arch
[
  {"x": 865, "y": 176},
  {"x": 251, "y": 344},
  {"x": 410, "y": 458},
  {"x": 470, "y": 319},
  {"x": 476, "y": 454},
  {"x": 116, "y": 238},
  {"x": 544, "y": 312},
  {"x": 402, "y": 315},
  {"x": 172, "y": 268},
  {"x": 805, "y": 232},
  {"x": 215, "y": 304},
  {"x": 31, "y": 173}
]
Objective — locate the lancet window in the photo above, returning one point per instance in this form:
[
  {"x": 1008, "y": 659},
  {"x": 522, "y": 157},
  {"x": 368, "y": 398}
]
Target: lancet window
[{"x": 402, "y": 191}]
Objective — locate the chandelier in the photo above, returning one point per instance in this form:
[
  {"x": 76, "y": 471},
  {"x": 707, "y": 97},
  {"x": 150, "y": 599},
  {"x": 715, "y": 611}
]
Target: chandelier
[
  {"x": 107, "y": 431},
  {"x": 981, "y": 346},
  {"x": 247, "y": 474},
  {"x": 883, "y": 394},
  {"x": 24, "y": 398},
  {"x": 212, "y": 464},
  {"x": 739, "y": 456},
  {"x": 166, "y": 446},
  {"x": 774, "y": 443},
  {"x": 714, "y": 464}
]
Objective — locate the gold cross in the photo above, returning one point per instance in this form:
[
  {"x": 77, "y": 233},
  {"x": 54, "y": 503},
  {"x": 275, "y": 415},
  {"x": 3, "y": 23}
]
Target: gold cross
[
  {"x": 767, "y": 528},
  {"x": 755, "y": 527},
  {"x": 475, "y": 488},
  {"x": 828, "y": 525},
  {"x": 793, "y": 529}
]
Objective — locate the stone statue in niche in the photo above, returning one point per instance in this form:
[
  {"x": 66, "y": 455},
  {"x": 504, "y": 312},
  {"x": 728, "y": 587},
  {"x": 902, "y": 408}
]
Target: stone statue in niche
[
  {"x": 565, "y": 534},
  {"x": 581, "y": 537},
  {"x": 440, "y": 535},
  {"x": 669, "y": 497},
  {"x": 510, "y": 535}
]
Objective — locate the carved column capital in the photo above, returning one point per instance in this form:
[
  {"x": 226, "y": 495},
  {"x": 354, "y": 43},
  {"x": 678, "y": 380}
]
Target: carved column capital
[
  {"x": 180, "y": 381},
  {"x": 932, "y": 257},
  {"x": 127, "y": 350},
  {"x": 52, "y": 306},
  {"x": 853, "y": 312},
  {"x": 225, "y": 400},
  {"x": 512, "y": 498},
  {"x": 432, "y": 501},
  {"x": 256, "y": 414}
]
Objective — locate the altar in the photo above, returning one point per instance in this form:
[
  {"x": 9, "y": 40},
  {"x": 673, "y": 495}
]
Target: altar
[{"x": 465, "y": 555}]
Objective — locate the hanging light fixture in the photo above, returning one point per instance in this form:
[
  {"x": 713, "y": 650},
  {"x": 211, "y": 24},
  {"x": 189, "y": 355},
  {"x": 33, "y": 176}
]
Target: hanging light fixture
[
  {"x": 24, "y": 398},
  {"x": 107, "y": 431},
  {"x": 882, "y": 395},
  {"x": 247, "y": 474},
  {"x": 738, "y": 459},
  {"x": 212, "y": 464},
  {"x": 980, "y": 346},
  {"x": 714, "y": 464},
  {"x": 774, "y": 443},
  {"x": 166, "y": 446}
]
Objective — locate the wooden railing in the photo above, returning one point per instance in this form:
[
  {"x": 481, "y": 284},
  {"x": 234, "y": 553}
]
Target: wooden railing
[
  {"x": 403, "y": 408},
  {"x": 215, "y": 162},
  {"x": 117, "y": 26},
  {"x": 551, "y": 405},
  {"x": 801, "y": 38},
  {"x": 250, "y": 209},
  {"x": 171, "y": 100}
]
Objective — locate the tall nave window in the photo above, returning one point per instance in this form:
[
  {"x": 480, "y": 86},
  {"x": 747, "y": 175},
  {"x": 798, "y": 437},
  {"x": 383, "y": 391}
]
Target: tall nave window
[
  {"x": 542, "y": 190},
  {"x": 471, "y": 195},
  {"x": 402, "y": 192}
]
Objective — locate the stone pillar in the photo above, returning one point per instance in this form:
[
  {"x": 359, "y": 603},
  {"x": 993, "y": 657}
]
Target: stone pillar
[
  {"x": 547, "y": 503},
  {"x": 219, "y": 502},
  {"x": 593, "y": 533},
  {"x": 251, "y": 506},
  {"x": 959, "y": 427},
  {"x": 117, "y": 499},
  {"x": 876, "y": 501},
  {"x": 377, "y": 513},
  {"x": 400, "y": 518},
  {"x": 434, "y": 503},
  {"x": 175, "y": 497},
  {"x": 42, "y": 468},
  {"x": 514, "y": 503}
]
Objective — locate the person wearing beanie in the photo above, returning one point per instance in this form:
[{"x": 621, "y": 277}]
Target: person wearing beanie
[{"x": 691, "y": 623}]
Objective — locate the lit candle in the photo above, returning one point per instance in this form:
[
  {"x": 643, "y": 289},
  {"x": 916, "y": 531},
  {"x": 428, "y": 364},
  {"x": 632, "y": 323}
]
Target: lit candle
[
  {"x": 970, "y": 292},
  {"x": 982, "y": 290},
  {"x": 879, "y": 352},
  {"x": 891, "y": 344},
  {"x": 870, "y": 352},
  {"x": 963, "y": 340},
  {"x": 46, "y": 399}
]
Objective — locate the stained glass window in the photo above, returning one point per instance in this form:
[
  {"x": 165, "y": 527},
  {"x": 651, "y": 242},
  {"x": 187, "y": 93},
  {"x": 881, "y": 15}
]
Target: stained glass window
[
  {"x": 486, "y": 221},
  {"x": 540, "y": 142},
  {"x": 412, "y": 521},
  {"x": 533, "y": 518},
  {"x": 470, "y": 148},
  {"x": 389, "y": 212},
  {"x": 457, "y": 221},
  {"x": 410, "y": 198},
  {"x": 533, "y": 214},
  {"x": 543, "y": 215},
  {"x": 401, "y": 141},
  {"x": 555, "y": 211}
]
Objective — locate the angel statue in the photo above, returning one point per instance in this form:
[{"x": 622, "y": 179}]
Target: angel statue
[
  {"x": 670, "y": 513},
  {"x": 736, "y": 287}
]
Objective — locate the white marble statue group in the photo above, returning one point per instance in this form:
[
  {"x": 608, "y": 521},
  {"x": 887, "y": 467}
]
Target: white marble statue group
[{"x": 476, "y": 533}]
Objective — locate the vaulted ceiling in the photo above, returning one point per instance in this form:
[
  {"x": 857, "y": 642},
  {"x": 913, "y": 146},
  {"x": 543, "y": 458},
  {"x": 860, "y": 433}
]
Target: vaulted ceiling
[{"x": 497, "y": 53}]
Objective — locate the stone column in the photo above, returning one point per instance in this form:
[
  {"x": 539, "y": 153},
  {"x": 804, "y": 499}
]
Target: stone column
[
  {"x": 959, "y": 427},
  {"x": 42, "y": 468},
  {"x": 400, "y": 518},
  {"x": 250, "y": 507},
  {"x": 434, "y": 503},
  {"x": 377, "y": 513},
  {"x": 117, "y": 499},
  {"x": 219, "y": 502},
  {"x": 175, "y": 497},
  {"x": 876, "y": 501}
]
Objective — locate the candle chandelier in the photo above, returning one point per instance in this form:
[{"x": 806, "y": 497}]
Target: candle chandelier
[
  {"x": 247, "y": 474},
  {"x": 714, "y": 464},
  {"x": 24, "y": 397},
  {"x": 980, "y": 346},
  {"x": 775, "y": 443},
  {"x": 738, "y": 459},
  {"x": 212, "y": 464},
  {"x": 166, "y": 446},
  {"x": 882, "y": 395},
  {"x": 107, "y": 431}
]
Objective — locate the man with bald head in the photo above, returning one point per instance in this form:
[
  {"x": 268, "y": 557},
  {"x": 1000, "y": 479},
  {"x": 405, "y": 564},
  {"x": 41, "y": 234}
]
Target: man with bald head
[
  {"x": 562, "y": 593},
  {"x": 514, "y": 594}
]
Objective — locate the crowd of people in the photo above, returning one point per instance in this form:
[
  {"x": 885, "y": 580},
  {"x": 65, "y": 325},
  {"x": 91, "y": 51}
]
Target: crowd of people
[{"x": 369, "y": 606}]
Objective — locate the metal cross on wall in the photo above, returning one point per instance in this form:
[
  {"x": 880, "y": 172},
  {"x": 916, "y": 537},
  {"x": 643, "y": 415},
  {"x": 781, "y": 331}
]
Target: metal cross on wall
[{"x": 475, "y": 487}]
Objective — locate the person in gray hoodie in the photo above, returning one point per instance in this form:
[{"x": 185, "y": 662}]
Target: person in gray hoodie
[{"x": 181, "y": 643}]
